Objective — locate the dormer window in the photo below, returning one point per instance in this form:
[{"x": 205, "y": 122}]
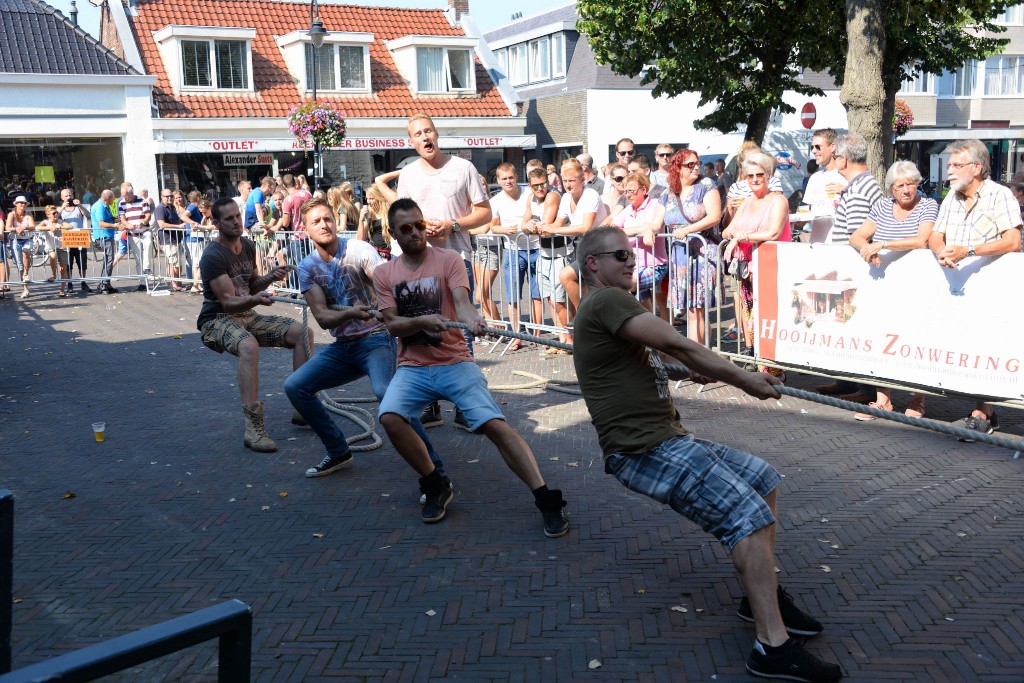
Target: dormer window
[
  {"x": 342, "y": 62},
  {"x": 207, "y": 58},
  {"x": 437, "y": 65}
]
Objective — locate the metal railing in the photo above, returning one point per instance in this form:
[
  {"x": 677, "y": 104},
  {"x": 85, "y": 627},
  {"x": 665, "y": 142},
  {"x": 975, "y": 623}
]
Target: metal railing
[{"x": 230, "y": 622}]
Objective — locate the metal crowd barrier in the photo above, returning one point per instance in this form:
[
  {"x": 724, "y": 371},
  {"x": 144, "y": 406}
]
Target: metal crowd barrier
[{"x": 230, "y": 622}]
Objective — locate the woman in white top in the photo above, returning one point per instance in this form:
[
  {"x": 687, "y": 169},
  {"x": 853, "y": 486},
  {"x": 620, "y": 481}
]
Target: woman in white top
[
  {"x": 50, "y": 230},
  {"x": 21, "y": 227}
]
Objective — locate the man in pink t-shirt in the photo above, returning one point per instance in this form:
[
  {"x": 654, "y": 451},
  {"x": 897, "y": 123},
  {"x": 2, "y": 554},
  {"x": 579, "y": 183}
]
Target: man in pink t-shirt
[
  {"x": 291, "y": 222},
  {"x": 417, "y": 294}
]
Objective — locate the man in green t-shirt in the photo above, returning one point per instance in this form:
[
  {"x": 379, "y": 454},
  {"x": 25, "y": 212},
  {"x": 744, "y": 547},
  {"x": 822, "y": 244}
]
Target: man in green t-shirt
[{"x": 729, "y": 493}]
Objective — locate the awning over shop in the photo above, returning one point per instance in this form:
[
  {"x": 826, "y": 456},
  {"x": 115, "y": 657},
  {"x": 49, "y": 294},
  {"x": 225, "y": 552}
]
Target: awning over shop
[
  {"x": 924, "y": 134},
  {"x": 240, "y": 144}
]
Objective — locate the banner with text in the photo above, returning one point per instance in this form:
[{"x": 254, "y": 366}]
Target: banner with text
[
  {"x": 250, "y": 145},
  {"x": 909, "y": 320}
]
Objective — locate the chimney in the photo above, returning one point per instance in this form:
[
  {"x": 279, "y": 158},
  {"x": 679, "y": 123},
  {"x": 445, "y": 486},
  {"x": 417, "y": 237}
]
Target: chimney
[
  {"x": 460, "y": 6},
  {"x": 73, "y": 13}
]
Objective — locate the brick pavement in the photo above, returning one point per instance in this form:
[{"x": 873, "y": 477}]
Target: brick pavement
[{"x": 906, "y": 543}]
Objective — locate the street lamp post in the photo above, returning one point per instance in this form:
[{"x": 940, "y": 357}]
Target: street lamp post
[{"x": 317, "y": 33}]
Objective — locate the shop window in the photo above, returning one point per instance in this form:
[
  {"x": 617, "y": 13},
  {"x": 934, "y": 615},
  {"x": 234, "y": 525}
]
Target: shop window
[
  {"x": 1004, "y": 76},
  {"x": 339, "y": 67},
  {"x": 223, "y": 64},
  {"x": 442, "y": 69}
]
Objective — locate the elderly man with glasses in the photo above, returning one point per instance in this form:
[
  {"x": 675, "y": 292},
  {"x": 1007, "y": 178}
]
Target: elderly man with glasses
[{"x": 979, "y": 217}]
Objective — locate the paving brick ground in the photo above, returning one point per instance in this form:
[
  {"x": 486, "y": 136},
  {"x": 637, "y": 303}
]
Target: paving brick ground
[{"x": 908, "y": 544}]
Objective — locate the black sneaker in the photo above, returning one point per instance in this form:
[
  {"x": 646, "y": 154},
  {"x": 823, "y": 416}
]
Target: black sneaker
[
  {"x": 85, "y": 287},
  {"x": 791, "y": 661},
  {"x": 551, "y": 505},
  {"x": 797, "y": 623},
  {"x": 329, "y": 464},
  {"x": 140, "y": 288},
  {"x": 437, "y": 501},
  {"x": 977, "y": 424},
  {"x": 431, "y": 415},
  {"x": 460, "y": 421},
  {"x": 110, "y": 290},
  {"x": 71, "y": 287}
]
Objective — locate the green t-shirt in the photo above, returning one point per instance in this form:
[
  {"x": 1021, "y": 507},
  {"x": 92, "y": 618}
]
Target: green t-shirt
[{"x": 625, "y": 384}]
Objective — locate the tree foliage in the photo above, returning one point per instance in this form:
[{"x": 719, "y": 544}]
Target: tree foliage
[{"x": 743, "y": 55}]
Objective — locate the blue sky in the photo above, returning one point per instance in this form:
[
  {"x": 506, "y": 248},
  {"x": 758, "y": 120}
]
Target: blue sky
[{"x": 486, "y": 13}]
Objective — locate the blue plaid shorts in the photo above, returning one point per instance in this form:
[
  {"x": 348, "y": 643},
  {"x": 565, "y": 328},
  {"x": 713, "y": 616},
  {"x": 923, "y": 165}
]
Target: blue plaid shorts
[{"x": 716, "y": 487}]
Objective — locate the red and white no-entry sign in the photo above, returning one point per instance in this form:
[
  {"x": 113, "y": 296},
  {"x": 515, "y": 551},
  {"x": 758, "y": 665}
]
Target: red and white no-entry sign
[{"x": 808, "y": 115}]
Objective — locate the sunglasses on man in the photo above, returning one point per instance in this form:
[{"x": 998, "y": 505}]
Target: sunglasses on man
[
  {"x": 621, "y": 255},
  {"x": 407, "y": 228}
]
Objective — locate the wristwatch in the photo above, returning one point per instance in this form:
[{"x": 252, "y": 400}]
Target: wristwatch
[
  {"x": 970, "y": 250},
  {"x": 455, "y": 226}
]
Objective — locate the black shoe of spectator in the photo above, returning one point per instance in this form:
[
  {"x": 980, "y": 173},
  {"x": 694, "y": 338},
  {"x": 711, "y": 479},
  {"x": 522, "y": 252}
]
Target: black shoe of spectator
[
  {"x": 460, "y": 421},
  {"x": 85, "y": 287},
  {"x": 140, "y": 288},
  {"x": 431, "y": 415},
  {"x": 984, "y": 425},
  {"x": 109, "y": 290}
]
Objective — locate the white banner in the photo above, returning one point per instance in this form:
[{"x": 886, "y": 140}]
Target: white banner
[
  {"x": 370, "y": 144},
  {"x": 248, "y": 159},
  {"x": 911, "y": 320}
]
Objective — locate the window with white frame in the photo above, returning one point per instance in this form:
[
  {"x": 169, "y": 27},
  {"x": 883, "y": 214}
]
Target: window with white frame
[
  {"x": 959, "y": 83},
  {"x": 442, "y": 69},
  {"x": 557, "y": 55},
  {"x": 1004, "y": 75},
  {"x": 1011, "y": 16},
  {"x": 918, "y": 85},
  {"x": 540, "y": 59},
  {"x": 518, "y": 66},
  {"x": 502, "y": 57},
  {"x": 338, "y": 67},
  {"x": 220, "y": 64}
]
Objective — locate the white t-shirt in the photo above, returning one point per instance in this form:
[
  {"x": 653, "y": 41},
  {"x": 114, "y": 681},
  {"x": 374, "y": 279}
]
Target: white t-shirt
[
  {"x": 590, "y": 202},
  {"x": 510, "y": 212},
  {"x": 446, "y": 194},
  {"x": 816, "y": 195}
]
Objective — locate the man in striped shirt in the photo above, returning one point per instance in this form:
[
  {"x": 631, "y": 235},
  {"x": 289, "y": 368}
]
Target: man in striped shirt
[
  {"x": 979, "y": 217},
  {"x": 134, "y": 214},
  {"x": 860, "y": 195}
]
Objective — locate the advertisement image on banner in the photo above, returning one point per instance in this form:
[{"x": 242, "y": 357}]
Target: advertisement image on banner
[{"x": 909, "y": 321}]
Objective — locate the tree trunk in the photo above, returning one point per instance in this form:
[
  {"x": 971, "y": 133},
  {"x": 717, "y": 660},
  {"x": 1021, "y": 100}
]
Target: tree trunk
[
  {"x": 757, "y": 124},
  {"x": 863, "y": 93}
]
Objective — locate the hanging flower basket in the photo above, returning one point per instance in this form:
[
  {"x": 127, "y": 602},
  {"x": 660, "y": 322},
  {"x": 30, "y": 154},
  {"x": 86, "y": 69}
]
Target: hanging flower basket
[
  {"x": 902, "y": 118},
  {"x": 317, "y": 121}
]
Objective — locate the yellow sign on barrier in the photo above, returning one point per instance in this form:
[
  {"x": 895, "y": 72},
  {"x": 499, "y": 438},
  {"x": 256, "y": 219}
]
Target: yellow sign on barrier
[{"x": 75, "y": 239}]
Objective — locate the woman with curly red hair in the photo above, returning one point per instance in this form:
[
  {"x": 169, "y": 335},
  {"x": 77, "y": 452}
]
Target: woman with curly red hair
[{"x": 693, "y": 206}]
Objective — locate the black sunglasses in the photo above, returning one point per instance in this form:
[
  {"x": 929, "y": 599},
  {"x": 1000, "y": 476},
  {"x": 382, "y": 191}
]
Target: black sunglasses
[
  {"x": 407, "y": 228},
  {"x": 618, "y": 178},
  {"x": 664, "y": 154},
  {"x": 626, "y": 152},
  {"x": 538, "y": 186},
  {"x": 619, "y": 254},
  {"x": 691, "y": 164}
]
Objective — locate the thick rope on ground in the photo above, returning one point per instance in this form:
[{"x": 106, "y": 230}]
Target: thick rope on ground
[{"x": 1015, "y": 445}]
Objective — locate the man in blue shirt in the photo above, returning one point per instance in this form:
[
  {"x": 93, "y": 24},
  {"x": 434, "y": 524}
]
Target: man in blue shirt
[
  {"x": 104, "y": 230},
  {"x": 254, "y": 204}
]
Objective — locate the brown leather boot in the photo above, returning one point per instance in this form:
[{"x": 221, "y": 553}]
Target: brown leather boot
[{"x": 256, "y": 437}]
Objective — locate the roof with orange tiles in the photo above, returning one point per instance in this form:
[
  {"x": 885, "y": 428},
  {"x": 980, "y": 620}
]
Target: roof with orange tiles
[{"x": 275, "y": 89}]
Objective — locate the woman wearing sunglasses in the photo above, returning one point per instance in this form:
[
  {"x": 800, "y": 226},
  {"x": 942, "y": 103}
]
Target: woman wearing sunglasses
[
  {"x": 693, "y": 206},
  {"x": 614, "y": 196},
  {"x": 642, "y": 220},
  {"x": 761, "y": 217}
]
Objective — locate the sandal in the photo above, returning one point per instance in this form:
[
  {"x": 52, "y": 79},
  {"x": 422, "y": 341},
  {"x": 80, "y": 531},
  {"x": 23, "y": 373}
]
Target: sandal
[
  {"x": 865, "y": 417},
  {"x": 515, "y": 345},
  {"x": 51, "y": 279},
  {"x": 915, "y": 408}
]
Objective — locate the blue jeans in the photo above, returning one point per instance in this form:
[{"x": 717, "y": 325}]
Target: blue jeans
[
  {"x": 521, "y": 261},
  {"x": 373, "y": 356}
]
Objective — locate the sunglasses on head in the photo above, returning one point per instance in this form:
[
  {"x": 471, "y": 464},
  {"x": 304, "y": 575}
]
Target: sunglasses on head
[
  {"x": 619, "y": 254},
  {"x": 407, "y": 228}
]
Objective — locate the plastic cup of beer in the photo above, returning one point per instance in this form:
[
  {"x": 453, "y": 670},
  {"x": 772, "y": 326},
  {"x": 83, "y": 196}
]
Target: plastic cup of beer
[
  {"x": 99, "y": 430},
  {"x": 804, "y": 208}
]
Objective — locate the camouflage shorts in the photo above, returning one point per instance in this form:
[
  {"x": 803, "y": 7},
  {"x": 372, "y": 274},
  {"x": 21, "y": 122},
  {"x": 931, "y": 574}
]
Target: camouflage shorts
[{"x": 226, "y": 332}]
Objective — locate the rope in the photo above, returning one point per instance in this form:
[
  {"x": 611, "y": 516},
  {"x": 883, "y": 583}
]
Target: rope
[{"x": 1015, "y": 445}]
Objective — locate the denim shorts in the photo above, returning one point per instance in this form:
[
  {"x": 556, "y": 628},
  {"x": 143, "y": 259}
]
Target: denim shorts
[
  {"x": 413, "y": 387},
  {"x": 718, "y": 488}
]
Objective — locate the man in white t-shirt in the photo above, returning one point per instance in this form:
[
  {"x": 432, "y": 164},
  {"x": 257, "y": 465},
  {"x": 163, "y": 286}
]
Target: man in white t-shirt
[
  {"x": 449, "y": 193},
  {"x": 508, "y": 207},
  {"x": 824, "y": 187},
  {"x": 581, "y": 209}
]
